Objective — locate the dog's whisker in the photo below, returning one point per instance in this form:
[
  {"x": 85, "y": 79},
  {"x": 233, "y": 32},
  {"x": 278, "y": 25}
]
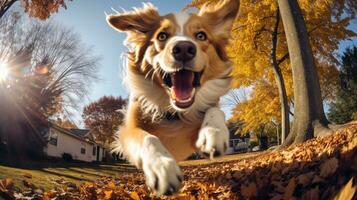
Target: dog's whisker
[
  {"x": 122, "y": 9},
  {"x": 148, "y": 73},
  {"x": 156, "y": 70},
  {"x": 114, "y": 10}
]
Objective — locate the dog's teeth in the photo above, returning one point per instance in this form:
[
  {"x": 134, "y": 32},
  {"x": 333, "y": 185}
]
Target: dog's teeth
[{"x": 186, "y": 100}]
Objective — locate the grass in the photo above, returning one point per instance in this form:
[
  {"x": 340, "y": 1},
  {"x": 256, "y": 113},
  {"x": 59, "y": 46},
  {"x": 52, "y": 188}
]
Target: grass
[{"x": 43, "y": 174}]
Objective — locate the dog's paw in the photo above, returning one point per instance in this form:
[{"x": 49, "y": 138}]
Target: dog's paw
[
  {"x": 212, "y": 141},
  {"x": 214, "y": 135},
  {"x": 162, "y": 173}
]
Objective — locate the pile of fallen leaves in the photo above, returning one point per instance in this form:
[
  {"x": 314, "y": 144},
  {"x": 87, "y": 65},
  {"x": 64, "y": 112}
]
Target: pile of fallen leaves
[{"x": 321, "y": 168}]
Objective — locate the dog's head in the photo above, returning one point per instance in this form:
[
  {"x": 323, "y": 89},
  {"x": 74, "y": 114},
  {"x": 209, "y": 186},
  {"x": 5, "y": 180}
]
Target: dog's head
[{"x": 180, "y": 52}]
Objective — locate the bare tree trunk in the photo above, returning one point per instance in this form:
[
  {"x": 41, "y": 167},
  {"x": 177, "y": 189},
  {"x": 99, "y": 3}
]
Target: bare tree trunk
[
  {"x": 308, "y": 110},
  {"x": 284, "y": 105}
]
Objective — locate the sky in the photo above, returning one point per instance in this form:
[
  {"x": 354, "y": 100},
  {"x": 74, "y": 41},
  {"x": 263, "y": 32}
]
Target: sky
[{"x": 87, "y": 18}]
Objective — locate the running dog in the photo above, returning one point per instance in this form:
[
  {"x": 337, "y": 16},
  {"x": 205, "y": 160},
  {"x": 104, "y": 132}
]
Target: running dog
[{"x": 177, "y": 69}]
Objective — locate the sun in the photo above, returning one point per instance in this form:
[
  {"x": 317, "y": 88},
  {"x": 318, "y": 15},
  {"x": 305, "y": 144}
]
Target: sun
[{"x": 4, "y": 71}]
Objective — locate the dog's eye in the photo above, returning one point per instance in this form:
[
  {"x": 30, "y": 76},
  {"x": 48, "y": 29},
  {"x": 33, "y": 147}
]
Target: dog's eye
[
  {"x": 201, "y": 36},
  {"x": 162, "y": 36}
]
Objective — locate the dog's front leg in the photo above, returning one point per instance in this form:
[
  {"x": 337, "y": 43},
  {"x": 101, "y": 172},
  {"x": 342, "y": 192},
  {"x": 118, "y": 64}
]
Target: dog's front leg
[
  {"x": 162, "y": 173},
  {"x": 146, "y": 151},
  {"x": 214, "y": 135}
]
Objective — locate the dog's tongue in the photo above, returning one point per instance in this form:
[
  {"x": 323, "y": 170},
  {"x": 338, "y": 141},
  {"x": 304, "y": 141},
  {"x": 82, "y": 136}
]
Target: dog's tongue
[{"x": 182, "y": 84}]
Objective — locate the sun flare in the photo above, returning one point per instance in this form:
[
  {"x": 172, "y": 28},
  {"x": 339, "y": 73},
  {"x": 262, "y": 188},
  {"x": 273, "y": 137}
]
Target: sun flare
[{"x": 4, "y": 71}]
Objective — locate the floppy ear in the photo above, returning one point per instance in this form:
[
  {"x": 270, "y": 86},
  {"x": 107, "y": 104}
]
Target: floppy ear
[
  {"x": 140, "y": 20},
  {"x": 221, "y": 17}
]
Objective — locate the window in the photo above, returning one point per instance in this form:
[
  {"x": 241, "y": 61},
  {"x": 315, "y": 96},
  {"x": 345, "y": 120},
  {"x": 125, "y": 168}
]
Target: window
[
  {"x": 94, "y": 150},
  {"x": 83, "y": 150},
  {"x": 53, "y": 138}
]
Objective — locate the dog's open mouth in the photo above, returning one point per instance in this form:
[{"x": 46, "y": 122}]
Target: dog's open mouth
[{"x": 182, "y": 85}]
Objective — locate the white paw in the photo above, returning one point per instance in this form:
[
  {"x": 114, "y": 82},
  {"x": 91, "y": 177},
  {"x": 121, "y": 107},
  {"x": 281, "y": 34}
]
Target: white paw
[
  {"x": 162, "y": 173},
  {"x": 213, "y": 136}
]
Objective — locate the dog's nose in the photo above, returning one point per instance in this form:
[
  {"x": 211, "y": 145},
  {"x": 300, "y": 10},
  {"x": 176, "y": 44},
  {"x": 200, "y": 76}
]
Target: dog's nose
[{"x": 184, "y": 51}]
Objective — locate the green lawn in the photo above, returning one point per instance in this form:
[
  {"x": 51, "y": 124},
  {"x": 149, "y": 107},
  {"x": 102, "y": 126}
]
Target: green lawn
[{"x": 44, "y": 174}]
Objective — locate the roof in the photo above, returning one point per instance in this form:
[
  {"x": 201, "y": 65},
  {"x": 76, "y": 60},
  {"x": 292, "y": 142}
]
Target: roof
[{"x": 81, "y": 134}]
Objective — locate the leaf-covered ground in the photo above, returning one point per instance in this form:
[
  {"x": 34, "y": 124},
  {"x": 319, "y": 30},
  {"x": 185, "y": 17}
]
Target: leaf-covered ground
[{"x": 322, "y": 168}]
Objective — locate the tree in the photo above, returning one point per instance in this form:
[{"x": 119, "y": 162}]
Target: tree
[
  {"x": 308, "y": 109},
  {"x": 49, "y": 71},
  {"x": 64, "y": 122},
  {"x": 344, "y": 108},
  {"x": 104, "y": 116},
  {"x": 35, "y": 8},
  {"x": 259, "y": 49}
]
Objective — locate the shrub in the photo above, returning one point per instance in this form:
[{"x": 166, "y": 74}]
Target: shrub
[
  {"x": 253, "y": 144},
  {"x": 67, "y": 157}
]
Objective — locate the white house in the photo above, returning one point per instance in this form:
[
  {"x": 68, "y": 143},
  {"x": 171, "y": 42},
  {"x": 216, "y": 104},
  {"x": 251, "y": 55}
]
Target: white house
[{"x": 77, "y": 142}]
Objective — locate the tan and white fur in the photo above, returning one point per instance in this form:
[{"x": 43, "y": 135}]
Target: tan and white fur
[{"x": 176, "y": 66}]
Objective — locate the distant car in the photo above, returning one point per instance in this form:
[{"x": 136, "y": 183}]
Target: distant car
[
  {"x": 273, "y": 147},
  {"x": 256, "y": 148},
  {"x": 241, "y": 147}
]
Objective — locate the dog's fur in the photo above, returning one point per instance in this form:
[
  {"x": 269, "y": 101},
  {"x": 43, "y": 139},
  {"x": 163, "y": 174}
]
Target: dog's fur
[{"x": 159, "y": 129}]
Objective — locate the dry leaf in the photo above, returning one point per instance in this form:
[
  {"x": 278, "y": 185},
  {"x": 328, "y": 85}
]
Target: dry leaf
[
  {"x": 6, "y": 184},
  {"x": 306, "y": 178},
  {"x": 184, "y": 197},
  {"x": 249, "y": 191},
  {"x": 108, "y": 194},
  {"x": 111, "y": 185},
  {"x": 347, "y": 192},
  {"x": 289, "y": 189},
  {"x": 328, "y": 167},
  {"x": 134, "y": 196},
  {"x": 311, "y": 194},
  {"x": 277, "y": 197}
]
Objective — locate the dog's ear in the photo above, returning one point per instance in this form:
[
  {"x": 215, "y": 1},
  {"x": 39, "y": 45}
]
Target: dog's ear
[
  {"x": 140, "y": 20},
  {"x": 221, "y": 17}
]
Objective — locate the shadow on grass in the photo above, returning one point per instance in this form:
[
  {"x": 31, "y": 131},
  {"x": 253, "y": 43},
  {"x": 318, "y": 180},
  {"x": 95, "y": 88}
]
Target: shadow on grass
[
  {"x": 64, "y": 175},
  {"x": 106, "y": 168}
]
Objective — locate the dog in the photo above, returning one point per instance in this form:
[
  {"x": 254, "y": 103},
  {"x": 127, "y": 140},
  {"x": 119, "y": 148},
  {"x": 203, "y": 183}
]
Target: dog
[{"x": 177, "y": 69}]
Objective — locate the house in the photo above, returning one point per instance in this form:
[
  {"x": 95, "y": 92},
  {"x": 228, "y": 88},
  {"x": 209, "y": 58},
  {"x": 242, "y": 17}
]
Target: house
[
  {"x": 79, "y": 143},
  {"x": 237, "y": 143}
]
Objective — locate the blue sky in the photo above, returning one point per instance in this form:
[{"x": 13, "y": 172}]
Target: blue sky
[{"x": 87, "y": 18}]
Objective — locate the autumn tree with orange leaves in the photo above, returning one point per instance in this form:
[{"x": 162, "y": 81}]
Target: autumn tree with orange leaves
[
  {"x": 35, "y": 8},
  {"x": 104, "y": 116},
  {"x": 260, "y": 53}
]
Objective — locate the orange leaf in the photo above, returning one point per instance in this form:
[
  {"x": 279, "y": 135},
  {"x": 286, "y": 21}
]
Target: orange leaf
[
  {"x": 135, "y": 196},
  {"x": 111, "y": 185},
  {"x": 108, "y": 194},
  {"x": 347, "y": 192},
  {"x": 6, "y": 184}
]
